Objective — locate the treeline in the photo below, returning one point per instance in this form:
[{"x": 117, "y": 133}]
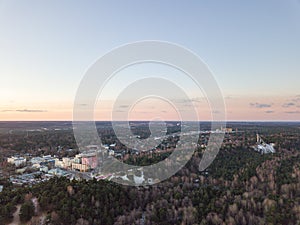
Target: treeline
[{"x": 261, "y": 190}]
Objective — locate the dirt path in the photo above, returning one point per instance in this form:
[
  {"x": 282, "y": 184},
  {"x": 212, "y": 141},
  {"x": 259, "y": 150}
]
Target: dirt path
[
  {"x": 16, "y": 219},
  {"x": 40, "y": 219}
]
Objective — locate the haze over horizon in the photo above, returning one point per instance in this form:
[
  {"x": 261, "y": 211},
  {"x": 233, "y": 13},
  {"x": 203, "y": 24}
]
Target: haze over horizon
[{"x": 252, "y": 48}]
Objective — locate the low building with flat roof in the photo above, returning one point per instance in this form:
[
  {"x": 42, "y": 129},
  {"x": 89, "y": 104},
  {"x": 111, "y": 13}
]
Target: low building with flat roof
[
  {"x": 80, "y": 167},
  {"x": 17, "y": 161}
]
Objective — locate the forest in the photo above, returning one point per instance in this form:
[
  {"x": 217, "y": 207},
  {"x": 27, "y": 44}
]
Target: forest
[{"x": 241, "y": 186}]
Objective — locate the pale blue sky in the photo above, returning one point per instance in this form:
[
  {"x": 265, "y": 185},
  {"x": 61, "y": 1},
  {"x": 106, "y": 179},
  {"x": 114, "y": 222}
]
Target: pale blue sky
[{"x": 252, "y": 47}]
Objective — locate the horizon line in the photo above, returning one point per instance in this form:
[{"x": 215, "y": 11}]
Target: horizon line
[{"x": 226, "y": 121}]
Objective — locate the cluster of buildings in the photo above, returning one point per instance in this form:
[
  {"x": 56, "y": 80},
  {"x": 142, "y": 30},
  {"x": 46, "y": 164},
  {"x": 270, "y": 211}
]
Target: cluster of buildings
[
  {"x": 28, "y": 178},
  {"x": 262, "y": 147},
  {"x": 17, "y": 161},
  {"x": 48, "y": 166},
  {"x": 82, "y": 162}
]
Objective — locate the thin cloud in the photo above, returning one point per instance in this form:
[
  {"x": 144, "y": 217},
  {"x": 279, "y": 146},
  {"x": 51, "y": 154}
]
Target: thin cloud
[
  {"x": 269, "y": 111},
  {"x": 288, "y": 104},
  {"x": 230, "y": 97},
  {"x": 296, "y": 99},
  {"x": 120, "y": 111},
  {"x": 293, "y": 112},
  {"x": 123, "y": 106},
  {"x": 25, "y": 110},
  {"x": 292, "y": 102},
  {"x": 195, "y": 100},
  {"x": 30, "y": 110},
  {"x": 216, "y": 112},
  {"x": 144, "y": 112},
  {"x": 260, "y": 105}
]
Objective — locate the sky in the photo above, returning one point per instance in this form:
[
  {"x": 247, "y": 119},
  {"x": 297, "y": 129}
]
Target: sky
[{"x": 251, "y": 47}]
